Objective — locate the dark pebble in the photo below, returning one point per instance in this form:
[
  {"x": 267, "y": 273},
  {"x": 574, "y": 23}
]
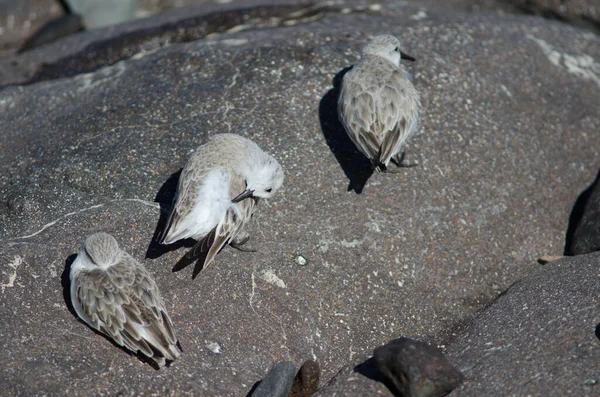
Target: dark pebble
[
  {"x": 306, "y": 381},
  {"x": 415, "y": 369}
]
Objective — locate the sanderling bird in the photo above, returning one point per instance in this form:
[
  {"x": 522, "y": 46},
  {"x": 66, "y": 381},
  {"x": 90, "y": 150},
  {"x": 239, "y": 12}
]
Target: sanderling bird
[
  {"x": 116, "y": 295},
  {"x": 218, "y": 190},
  {"x": 378, "y": 105}
]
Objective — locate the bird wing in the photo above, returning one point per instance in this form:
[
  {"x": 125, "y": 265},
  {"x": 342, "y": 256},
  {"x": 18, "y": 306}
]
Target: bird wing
[
  {"x": 123, "y": 302},
  {"x": 182, "y": 201},
  {"x": 356, "y": 108},
  {"x": 379, "y": 111},
  {"x": 230, "y": 225},
  {"x": 200, "y": 200},
  {"x": 398, "y": 114}
]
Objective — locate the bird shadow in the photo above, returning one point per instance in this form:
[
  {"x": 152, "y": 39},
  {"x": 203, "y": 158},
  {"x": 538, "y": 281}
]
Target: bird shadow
[
  {"x": 598, "y": 331},
  {"x": 164, "y": 198},
  {"x": 185, "y": 261},
  {"x": 356, "y": 166},
  {"x": 577, "y": 214},
  {"x": 369, "y": 370},
  {"x": 65, "y": 281}
]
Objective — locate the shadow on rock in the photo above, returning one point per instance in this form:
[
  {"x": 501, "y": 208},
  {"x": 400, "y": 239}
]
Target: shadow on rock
[
  {"x": 369, "y": 370},
  {"x": 65, "y": 281},
  {"x": 598, "y": 331},
  {"x": 582, "y": 236},
  {"x": 355, "y": 165},
  {"x": 188, "y": 259},
  {"x": 253, "y": 389},
  {"x": 165, "y": 197}
]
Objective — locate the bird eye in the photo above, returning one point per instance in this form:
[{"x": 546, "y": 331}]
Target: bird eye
[
  {"x": 269, "y": 190},
  {"x": 397, "y": 49}
]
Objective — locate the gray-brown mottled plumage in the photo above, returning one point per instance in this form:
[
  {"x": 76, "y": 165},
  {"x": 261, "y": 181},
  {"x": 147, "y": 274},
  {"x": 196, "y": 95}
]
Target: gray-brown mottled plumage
[
  {"x": 378, "y": 105},
  {"x": 116, "y": 295},
  {"x": 217, "y": 193}
]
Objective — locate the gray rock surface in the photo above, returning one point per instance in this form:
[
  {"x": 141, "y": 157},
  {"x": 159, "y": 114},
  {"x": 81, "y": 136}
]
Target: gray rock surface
[
  {"x": 19, "y": 19},
  {"x": 540, "y": 338},
  {"x": 277, "y": 382},
  {"x": 508, "y": 139},
  {"x": 56, "y": 29},
  {"x": 156, "y": 6},
  {"x": 567, "y": 9},
  {"x": 82, "y": 53}
]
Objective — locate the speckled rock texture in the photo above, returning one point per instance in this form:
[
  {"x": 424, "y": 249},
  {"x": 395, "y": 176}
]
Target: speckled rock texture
[
  {"x": 541, "y": 338},
  {"x": 508, "y": 140},
  {"x": 19, "y": 19},
  {"x": 567, "y": 9},
  {"x": 83, "y": 53}
]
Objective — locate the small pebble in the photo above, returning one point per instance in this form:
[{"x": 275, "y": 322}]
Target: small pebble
[
  {"x": 214, "y": 347},
  {"x": 306, "y": 381},
  {"x": 300, "y": 260},
  {"x": 549, "y": 258}
]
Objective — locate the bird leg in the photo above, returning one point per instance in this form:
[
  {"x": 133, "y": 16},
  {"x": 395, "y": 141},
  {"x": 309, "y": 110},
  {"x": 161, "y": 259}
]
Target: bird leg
[
  {"x": 237, "y": 244},
  {"x": 399, "y": 158},
  {"x": 383, "y": 169}
]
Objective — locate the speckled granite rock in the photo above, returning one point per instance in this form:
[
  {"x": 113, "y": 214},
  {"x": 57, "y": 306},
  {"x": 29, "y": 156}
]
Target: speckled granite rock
[
  {"x": 82, "y": 53},
  {"x": 411, "y": 255},
  {"x": 19, "y": 19},
  {"x": 583, "y": 10},
  {"x": 539, "y": 338},
  {"x": 54, "y": 30}
]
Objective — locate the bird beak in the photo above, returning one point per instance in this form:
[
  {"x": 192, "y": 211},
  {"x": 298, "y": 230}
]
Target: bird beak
[
  {"x": 407, "y": 57},
  {"x": 244, "y": 195}
]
